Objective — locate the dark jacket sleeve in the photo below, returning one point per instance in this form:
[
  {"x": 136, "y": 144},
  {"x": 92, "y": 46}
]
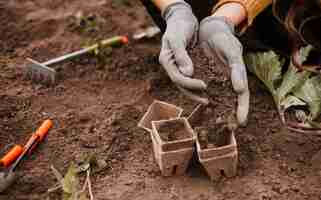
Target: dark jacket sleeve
[
  {"x": 155, "y": 13},
  {"x": 201, "y": 9}
]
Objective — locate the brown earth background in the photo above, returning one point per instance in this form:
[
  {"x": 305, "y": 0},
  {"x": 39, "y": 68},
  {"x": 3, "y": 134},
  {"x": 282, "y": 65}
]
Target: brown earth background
[{"x": 98, "y": 102}]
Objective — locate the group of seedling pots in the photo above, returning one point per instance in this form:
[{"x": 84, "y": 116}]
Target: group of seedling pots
[{"x": 173, "y": 156}]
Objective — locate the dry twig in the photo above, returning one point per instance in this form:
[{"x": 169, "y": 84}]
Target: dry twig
[{"x": 89, "y": 185}]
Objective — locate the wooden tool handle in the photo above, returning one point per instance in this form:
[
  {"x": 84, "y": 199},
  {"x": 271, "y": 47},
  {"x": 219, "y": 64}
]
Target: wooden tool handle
[{"x": 114, "y": 41}]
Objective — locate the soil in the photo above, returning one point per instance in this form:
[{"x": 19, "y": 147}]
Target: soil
[
  {"x": 173, "y": 130},
  {"x": 213, "y": 138},
  {"x": 99, "y": 100}
]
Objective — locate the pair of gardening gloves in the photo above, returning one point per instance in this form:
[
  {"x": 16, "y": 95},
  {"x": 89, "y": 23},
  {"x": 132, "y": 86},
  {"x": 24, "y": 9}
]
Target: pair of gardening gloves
[{"x": 216, "y": 37}]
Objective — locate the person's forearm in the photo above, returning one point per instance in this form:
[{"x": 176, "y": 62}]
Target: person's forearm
[
  {"x": 241, "y": 13},
  {"x": 234, "y": 12},
  {"x": 162, "y": 4}
]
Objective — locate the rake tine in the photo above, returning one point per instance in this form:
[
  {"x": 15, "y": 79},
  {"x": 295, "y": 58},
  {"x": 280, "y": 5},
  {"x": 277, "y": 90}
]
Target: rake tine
[
  {"x": 41, "y": 73},
  {"x": 47, "y": 75}
]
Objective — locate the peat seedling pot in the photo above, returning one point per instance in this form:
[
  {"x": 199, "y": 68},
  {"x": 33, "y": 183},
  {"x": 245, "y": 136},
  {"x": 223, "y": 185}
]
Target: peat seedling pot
[
  {"x": 173, "y": 145},
  {"x": 195, "y": 117},
  {"x": 157, "y": 111},
  {"x": 220, "y": 159}
]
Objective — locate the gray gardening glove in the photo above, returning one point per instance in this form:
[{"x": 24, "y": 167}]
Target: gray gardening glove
[
  {"x": 218, "y": 41},
  {"x": 181, "y": 31}
]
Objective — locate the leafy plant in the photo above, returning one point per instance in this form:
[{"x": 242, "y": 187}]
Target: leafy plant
[
  {"x": 291, "y": 89},
  {"x": 267, "y": 67},
  {"x": 70, "y": 183},
  {"x": 310, "y": 92}
]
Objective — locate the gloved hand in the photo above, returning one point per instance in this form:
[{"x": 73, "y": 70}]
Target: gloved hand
[
  {"x": 181, "y": 31},
  {"x": 218, "y": 41}
]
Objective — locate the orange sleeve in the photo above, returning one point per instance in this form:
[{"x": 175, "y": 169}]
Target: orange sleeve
[{"x": 252, "y": 8}]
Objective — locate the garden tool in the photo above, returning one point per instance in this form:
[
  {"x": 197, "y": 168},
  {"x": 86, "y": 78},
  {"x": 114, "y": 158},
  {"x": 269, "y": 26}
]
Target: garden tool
[
  {"x": 8, "y": 176},
  {"x": 149, "y": 32},
  {"x": 42, "y": 72},
  {"x": 11, "y": 156}
]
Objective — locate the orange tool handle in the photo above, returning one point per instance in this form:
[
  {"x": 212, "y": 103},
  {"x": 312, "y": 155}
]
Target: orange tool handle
[
  {"x": 11, "y": 156},
  {"x": 43, "y": 130},
  {"x": 38, "y": 136},
  {"x": 114, "y": 41},
  {"x": 124, "y": 39}
]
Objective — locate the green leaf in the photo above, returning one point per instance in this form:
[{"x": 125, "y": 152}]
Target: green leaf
[
  {"x": 310, "y": 92},
  {"x": 291, "y": 81},
  {"x": 91, "y": 161},
  {"x": 70, "y": 183},
  {"x": 304, "y": 53},
  {"x": 293, "y": 88},
  {"x": 96, "y": 51},
  {"x": 266, "y": 66},
  {"x": 290, "y": 101},
  {"x": 83, "y": 196}
]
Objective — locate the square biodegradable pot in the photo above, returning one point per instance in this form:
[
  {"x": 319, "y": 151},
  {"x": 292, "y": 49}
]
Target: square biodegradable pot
[
  {"x": 219, "y": 160},
  {"x": 157, "y": 111},
  {"x": 173, "y": 156}
]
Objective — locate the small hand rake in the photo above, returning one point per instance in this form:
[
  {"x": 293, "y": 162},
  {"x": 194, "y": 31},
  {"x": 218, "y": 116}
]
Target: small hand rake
[{"x": 43, "y": 73}]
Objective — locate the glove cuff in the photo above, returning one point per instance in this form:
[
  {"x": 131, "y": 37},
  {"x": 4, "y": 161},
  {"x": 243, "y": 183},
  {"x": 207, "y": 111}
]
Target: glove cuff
[
  {"x": 177, "y": 6},
  {"x": 220, "y": 23}
]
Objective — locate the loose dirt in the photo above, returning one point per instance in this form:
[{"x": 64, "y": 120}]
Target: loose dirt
[
  {"x": 173, "y": 130},
  {"x": 213, "y": 138},
  {"x": 98, "y": 102}
]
